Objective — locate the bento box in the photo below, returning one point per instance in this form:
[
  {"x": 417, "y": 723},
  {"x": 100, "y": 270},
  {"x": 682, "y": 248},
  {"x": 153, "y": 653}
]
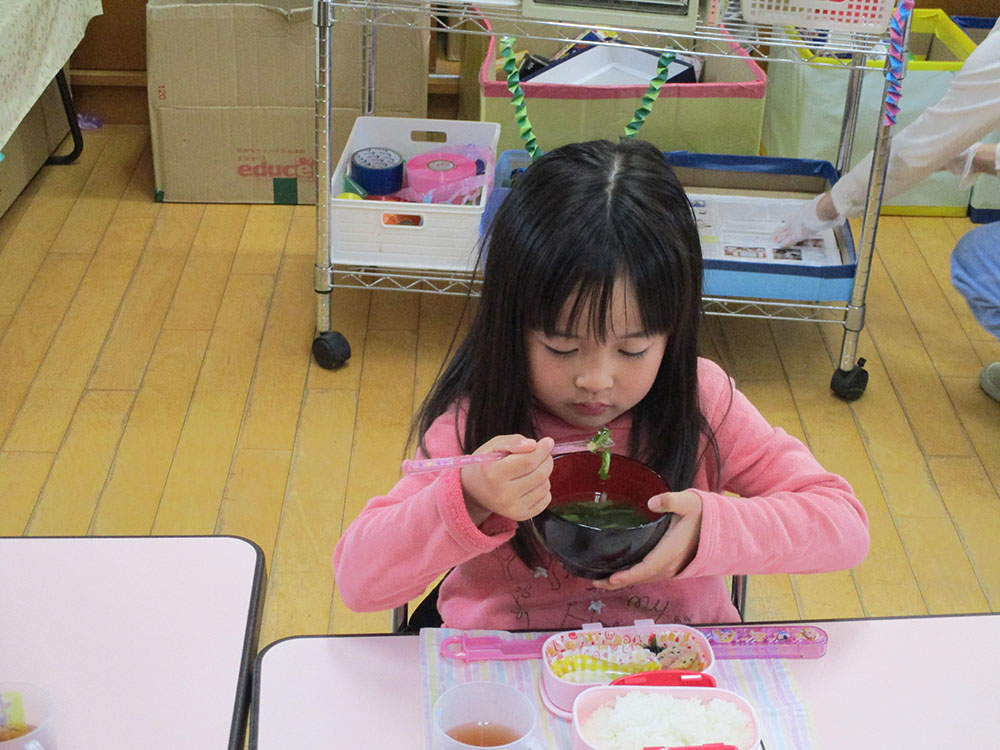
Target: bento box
[
  {"x": 653, "y": 716},
  {"x": 575, "y": 660}
]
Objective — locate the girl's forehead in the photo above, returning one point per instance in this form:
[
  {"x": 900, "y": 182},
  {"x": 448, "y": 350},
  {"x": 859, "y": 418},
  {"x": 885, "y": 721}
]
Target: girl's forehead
[{"x": 622, "y": 316}]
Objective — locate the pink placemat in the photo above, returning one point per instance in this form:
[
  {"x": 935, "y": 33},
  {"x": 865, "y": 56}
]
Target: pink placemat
[{"x": 766, "y": 683}]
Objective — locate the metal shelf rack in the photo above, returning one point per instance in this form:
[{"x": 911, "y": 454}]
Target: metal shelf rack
[{"x": 848, "y": 51}]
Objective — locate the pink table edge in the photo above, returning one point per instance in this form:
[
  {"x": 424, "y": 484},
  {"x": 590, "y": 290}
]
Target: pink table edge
[
  {"x": 827, "y": 624},
  {"x": 241, "y": 703}
]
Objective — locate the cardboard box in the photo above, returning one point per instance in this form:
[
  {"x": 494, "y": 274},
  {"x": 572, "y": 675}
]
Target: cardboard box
[
  {"x": 975, "y": 27},
  {"x": 691, "y": 116},
  {"x": 232, "y": 95},
  {"x": 805, "y": 106},
  {"x": 775, "y": 178},
  {"x": 36, "y": 137}
]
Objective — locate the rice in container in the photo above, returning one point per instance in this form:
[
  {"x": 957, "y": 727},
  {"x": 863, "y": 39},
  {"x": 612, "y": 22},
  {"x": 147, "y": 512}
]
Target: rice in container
[{"x": 739, "y": 724}]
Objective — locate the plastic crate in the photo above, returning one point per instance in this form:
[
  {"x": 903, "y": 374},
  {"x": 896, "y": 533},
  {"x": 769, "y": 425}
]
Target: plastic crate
[
  {"x": 836, "y": 15},
  {"x": 396, "y": 234}
]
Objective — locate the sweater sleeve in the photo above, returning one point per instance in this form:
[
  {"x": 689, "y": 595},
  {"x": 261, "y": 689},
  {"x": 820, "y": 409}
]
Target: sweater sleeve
[
  {"x": 402, "y": 541},
  {"x": 790, "y": 515},
  {"x": 968, "y": 111}
]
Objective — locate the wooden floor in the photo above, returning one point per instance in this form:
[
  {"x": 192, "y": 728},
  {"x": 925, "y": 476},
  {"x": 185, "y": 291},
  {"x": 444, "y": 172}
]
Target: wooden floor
[{"x": 155, "y": 378}]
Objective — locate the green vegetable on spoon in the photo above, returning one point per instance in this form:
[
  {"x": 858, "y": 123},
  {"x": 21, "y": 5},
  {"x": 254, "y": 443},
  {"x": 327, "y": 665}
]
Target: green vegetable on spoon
[{"x": 601, "y": 443}]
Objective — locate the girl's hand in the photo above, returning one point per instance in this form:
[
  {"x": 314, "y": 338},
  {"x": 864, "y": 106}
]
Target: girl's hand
[
  {"x": 516, "y": 486},
  {"x": 674, "y": 551}
]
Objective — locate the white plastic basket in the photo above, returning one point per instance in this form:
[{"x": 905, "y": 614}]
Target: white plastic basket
[
  {"x": 870, "y": 16},
  {"x": 442, "y": 236}
]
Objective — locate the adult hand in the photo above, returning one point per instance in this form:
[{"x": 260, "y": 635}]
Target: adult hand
[
  {"x": 516, "y": 486},
  {"x": 674, "y": 551},
  {"x": 814, "y": 217},
  {"x": 961, "y": 165},
  {"x": 977, "y": 159}
]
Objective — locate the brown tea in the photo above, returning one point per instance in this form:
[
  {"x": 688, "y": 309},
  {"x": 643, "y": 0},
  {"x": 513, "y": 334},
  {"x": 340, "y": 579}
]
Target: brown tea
[
  {"x": 12, "y": 732},
  {"x": 483, "y": 734}
]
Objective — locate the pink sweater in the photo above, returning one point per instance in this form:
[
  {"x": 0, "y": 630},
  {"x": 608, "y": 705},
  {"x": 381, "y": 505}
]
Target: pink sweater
[{"x": 791, "y": 516}]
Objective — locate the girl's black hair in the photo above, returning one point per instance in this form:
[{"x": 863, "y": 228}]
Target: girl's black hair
[{"x": 578, "y": 221}]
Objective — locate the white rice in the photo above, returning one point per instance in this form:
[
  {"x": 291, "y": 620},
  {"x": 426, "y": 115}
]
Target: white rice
[{"x": 636, "y": 720}]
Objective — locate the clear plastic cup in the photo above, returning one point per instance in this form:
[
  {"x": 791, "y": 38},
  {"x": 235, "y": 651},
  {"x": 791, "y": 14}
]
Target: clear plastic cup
[
  {"x": 483, "y": 712},
  {"x": 37, "y": 714}
]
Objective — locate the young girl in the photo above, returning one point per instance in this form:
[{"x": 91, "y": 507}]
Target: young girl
[{"x": 589, "y": 316}]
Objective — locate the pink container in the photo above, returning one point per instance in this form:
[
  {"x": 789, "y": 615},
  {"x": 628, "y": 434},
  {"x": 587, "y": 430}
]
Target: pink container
[
  {"x": 575, "y": 660},
  {"x": 589, "y": 700}
]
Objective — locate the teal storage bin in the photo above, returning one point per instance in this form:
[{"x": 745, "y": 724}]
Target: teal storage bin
[
  {"x": 984, "y": 201},
  {"x": 806, "y": 91}
]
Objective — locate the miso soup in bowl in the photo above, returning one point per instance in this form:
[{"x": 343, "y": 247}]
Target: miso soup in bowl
[{"x": 596, "y": 526}]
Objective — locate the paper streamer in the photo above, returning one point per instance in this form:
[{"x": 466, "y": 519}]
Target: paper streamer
[
  {"x": 517, "y": 97},
  {"x": 428, "y": 171},
  {"x": 651, "y": 95},
  {"x": 894, "y": 74}
]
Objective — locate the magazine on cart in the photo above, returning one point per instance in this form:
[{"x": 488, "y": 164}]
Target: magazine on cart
[{"x": 741, "y": 228}]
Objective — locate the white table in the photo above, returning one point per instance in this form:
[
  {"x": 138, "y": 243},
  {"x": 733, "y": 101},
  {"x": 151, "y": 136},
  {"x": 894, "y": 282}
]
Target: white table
[
  {"x": 38, "y": 36},
  {"x": 142, "y": 642},
  {"x": 915, "y": 683}
]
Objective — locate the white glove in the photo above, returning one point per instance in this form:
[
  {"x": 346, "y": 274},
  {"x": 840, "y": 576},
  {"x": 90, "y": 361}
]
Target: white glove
[
  {"x": 968, "y": 168},
  {"x": 961, "y": 165},
  {"x": 804, "y": 224}
]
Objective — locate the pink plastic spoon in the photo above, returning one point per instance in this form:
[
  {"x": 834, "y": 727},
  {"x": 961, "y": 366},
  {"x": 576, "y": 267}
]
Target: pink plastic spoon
[{"x": 418, "y": 465}]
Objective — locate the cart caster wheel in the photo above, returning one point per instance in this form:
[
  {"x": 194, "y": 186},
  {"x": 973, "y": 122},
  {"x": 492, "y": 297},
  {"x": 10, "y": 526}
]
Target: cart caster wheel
[
  {"x": 331, "y": 350},
  {"x": 850, "y": 384}
]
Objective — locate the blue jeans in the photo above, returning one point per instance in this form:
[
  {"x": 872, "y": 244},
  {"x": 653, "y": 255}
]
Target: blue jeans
[{"x": 975, "y": 272}]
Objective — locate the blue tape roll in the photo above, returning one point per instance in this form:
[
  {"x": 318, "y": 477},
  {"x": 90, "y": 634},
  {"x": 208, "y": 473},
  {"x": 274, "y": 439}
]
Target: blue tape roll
[{"x": 378, "y": 170}]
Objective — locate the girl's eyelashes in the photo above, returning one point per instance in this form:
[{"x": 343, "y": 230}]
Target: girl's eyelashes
[
  {"x": 570, "y": 352},
  {"x": 633, "y": 355},
  {"x": 560, "y": 352}
]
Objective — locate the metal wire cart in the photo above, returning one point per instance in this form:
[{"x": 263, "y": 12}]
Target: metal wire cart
[{"x": 847, "y": 50}]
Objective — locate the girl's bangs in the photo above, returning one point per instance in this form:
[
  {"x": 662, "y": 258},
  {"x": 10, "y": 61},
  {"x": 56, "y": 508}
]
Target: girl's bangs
[{"x": 584, "y": 273}]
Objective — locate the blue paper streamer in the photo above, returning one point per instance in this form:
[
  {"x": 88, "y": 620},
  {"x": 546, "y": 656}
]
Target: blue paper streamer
[{"x": 894, "y": 72}]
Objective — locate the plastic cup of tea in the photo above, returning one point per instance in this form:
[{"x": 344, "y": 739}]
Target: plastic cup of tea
[
  {"x": 25, "y": 705},
  {"x": 483, "y": 714}
]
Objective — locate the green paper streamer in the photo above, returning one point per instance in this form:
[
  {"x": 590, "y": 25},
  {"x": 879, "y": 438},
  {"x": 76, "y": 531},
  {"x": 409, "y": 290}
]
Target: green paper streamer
[
  {"x": 517, "y": 97},
  {"x": 651, "y": 95}
]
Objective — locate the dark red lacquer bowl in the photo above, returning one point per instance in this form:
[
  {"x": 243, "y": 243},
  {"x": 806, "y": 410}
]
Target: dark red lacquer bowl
[{"x": 588, "y": 551}]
